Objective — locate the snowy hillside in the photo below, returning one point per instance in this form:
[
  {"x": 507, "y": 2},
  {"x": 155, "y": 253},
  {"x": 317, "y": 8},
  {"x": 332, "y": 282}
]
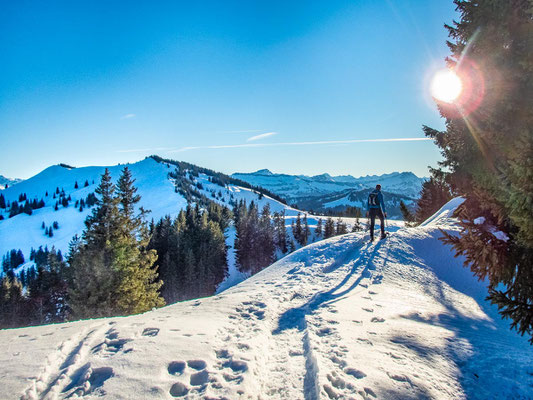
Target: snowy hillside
[
  {"x": 355, "y": 198},
  {"x": 339, "y": 319},
  {"x": 8, "y": 182},
  {"x": 157, "y": 192},
  {"x": 297, "y": 187}
]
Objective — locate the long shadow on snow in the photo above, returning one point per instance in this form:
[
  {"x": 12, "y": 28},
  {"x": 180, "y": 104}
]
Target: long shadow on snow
[
  {"x": 475, "y": 344},
  {"x": 295, "y": 317}
]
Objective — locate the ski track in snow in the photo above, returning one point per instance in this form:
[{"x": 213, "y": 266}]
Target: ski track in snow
[{"x": 340, "y": 319}]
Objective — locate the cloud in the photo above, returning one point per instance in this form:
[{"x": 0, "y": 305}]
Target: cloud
[
  {"x": 310, "y": 143},
  {"x": 128, "y": 116},
  {"x": 261, "y": 136}
]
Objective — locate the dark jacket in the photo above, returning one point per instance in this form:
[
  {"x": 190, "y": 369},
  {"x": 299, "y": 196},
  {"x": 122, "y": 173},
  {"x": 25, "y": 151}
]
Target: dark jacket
[{"x": 381, "y": 203}]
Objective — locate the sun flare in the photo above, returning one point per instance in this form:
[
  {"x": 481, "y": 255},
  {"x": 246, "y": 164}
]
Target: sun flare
[{"x": 446, "y": 86}]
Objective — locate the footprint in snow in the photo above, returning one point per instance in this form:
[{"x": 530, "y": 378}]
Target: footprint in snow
[
  {"x": 377, "y": 319},
  {"x": 150, "y": 332},
  {"x": 178, "y": 390},
  {"x": 367, "y": 393},
  {"x": 197, "y": 364},
  {"x": 176, "y": 367},
  {"x": 368, "y": 309},
  {"x": 336, "y": 382},
  {"x": 355, "y": 373},
  {"x": 399, "y": 378},
  {"x": 324, "y": 331},
  {"x": 199, "y": 378}
]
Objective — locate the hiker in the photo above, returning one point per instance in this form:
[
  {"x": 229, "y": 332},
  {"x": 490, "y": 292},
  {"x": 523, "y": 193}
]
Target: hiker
[{"x": 376, "y": 208}]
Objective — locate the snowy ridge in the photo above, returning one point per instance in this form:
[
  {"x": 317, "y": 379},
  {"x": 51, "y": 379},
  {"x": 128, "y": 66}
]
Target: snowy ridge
[
  {"x": 341, "y": 318},
  {"x": 157, "y": 192},
  {"x": 296, "y": 187},
  {"x": 7, "y": 181}
]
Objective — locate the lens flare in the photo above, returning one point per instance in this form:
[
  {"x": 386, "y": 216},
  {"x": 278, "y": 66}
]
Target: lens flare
[{"x": 446, "y": 86}]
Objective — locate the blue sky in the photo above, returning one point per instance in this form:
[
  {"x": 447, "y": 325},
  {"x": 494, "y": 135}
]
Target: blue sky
[{"x": 301, "y": 87}]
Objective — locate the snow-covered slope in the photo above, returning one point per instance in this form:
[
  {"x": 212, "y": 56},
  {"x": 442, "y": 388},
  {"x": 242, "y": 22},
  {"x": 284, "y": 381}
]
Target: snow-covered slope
[
  {"x": 355, "y": 198},
  {"x": 296, "y": 187},
  {"x": 342, "y": 319},
  {"x": 156, "y": 188},
  {"x": 8, "y": 182}
]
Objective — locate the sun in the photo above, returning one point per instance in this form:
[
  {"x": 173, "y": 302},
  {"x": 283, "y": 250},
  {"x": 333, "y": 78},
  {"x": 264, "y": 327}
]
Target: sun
[{"x": 446, "y": 86}]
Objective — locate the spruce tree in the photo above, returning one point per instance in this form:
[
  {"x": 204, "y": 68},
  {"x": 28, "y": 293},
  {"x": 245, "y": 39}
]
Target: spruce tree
[
  {"x": 340, "y": 228},
  {"x": 298, "y": 231},
  {"x": 435, "y": 193},
  {"x": 318, "y": 229},
  {"x": 113, "y": 253},
  {"x": 306, "y": 232},
  {"x": 266, "y": 239},
  {"x": 138, "y": 290},
  {"x": 488, "y": 150},
  {"x": 329, "y": 228},
  {"x": 408, "y": 216},
  {"x": 280, "y": 231}
]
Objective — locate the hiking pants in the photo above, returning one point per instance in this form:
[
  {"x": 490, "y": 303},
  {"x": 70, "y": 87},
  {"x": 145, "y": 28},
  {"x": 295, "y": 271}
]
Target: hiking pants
[{"x": 376, "y": 212}]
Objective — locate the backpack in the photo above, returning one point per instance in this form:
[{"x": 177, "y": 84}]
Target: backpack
[{"x": 373, "y": 199}]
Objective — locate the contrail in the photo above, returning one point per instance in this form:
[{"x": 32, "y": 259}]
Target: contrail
[{"x": 310, "y": 143}]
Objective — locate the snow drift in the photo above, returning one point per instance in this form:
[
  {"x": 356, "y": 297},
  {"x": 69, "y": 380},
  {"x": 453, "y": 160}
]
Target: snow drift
[{"x": 342, "y": 318}]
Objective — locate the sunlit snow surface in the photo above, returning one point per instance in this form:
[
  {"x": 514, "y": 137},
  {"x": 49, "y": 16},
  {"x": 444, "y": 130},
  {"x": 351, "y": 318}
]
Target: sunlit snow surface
[{"x": 342, "y": 318}]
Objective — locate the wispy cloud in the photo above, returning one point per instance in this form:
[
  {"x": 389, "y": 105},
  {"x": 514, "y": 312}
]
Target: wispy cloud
[
  {"x": 261, "y": 136},
  {"x": 282, "y": 144},
  {"x": 128, "y": 116}
]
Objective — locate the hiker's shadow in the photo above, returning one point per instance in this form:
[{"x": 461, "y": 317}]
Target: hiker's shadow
[{"x": 294, "y": 318}]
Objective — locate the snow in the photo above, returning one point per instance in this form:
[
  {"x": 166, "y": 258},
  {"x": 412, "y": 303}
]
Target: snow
[
  {"x": 479, "y": 221},
  {"x": 157, "y": 195},
  {"x": 501, "y": 236},
  {"x": 341, "y": 318},
  {"x": 293, "y": 187}
]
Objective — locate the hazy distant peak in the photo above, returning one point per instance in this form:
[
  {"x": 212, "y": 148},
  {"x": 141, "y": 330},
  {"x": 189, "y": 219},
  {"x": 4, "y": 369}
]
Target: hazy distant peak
[{"x": 262, "y": 172}]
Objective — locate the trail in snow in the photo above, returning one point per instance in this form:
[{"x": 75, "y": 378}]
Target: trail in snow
[{"x": 339, "y": 319}]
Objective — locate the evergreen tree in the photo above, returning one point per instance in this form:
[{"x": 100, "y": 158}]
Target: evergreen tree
[
  {"x": 435, "y": 193},
  {"x": 138, "y": 290},
  {"x": 266, "y": 239},
  {"x": 341, "y": 228},
  {"x": 408, "y": 216},
  {"x": 357, "y": 225},
  {"x": 13, "y": 307},
  {"x": 2, "y": 201},
  {"x": 306, "y": 232},
  {"x": 280, "y": 231},
  {"x": 27, "y": 208},
  {"x": 48, "y": 290},
  {"x": 76, "y": 185},
  {"x": 318, "y": 229},
  {"x": 329, "y": 228},
  {"x": 298, "y": 231},
  {"x": 488, "y": 150},
  {"x": 112, "y": 252}
]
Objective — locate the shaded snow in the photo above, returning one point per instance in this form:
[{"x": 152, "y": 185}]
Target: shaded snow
[{"x": 341, "y": 318}]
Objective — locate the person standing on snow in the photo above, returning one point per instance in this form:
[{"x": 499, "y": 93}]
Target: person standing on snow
[{"x": 376, "y": 207}]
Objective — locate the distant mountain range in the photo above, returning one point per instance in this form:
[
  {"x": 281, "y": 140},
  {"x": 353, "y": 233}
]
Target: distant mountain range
[
  {"x": 322, "y": 192},
  {"x": 7, "y": 181}
]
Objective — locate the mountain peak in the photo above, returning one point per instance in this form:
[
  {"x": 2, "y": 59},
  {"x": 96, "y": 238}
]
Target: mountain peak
[{"x": 263, "y": 171}]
